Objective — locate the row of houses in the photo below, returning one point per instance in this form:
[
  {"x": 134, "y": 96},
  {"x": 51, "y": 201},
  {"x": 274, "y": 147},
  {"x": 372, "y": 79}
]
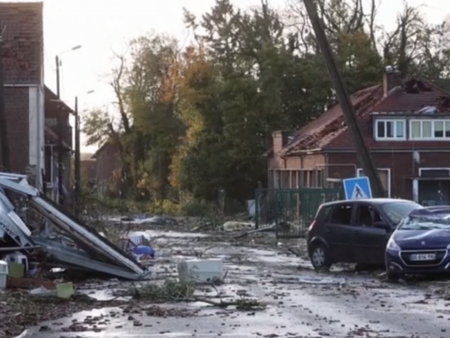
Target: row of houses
[
  {"x": 406, "y": 125},
  {"x": 36, "y": 119},
  {"x": 405, "y": 122}
]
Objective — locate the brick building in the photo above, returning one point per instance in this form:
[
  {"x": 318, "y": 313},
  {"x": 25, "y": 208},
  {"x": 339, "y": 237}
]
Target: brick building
[
  {"x": 23, "y": 65},
  {"x": 107, "y": 162},
  {"x": 88, "y": 168},
  {"x": 31, "y": 107},
  {"x": 57, "y": 125},
  {"x": 406, "y": 126}
]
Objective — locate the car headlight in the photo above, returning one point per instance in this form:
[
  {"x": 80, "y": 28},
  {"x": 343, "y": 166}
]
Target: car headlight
[{"x": 392, "y": 245}]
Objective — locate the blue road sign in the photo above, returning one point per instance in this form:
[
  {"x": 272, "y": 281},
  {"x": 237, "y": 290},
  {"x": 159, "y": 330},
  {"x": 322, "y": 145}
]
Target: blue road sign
[{"x": 356, "y": 188}]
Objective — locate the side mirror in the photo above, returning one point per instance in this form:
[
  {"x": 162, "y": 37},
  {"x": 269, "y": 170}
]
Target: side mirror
[{"x": 382, "y": 225}]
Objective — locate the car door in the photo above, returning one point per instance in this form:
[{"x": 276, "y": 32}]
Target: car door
[
  {"x": 370, "y": 242},
  {"x": 339, "y": 232}
]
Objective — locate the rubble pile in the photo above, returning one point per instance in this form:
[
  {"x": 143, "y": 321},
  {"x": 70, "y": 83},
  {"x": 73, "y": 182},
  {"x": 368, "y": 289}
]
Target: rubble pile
[{"x": 39, "y": 236}]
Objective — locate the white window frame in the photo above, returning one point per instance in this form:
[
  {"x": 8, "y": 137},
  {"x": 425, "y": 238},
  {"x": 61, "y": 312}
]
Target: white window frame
[
  {"x": 432, "y": 138},
  {"x": 395, "y": 138},
  {"x": 388, "y": 170},
  {"x": 428, "y": 169}
]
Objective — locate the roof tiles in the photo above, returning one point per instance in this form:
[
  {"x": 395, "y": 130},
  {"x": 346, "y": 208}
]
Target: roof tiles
[{"x": 329, "y": 130}]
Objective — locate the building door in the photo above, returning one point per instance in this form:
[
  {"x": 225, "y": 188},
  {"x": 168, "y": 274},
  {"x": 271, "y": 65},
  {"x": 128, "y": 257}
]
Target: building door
[{"x": 434, "y": 193}]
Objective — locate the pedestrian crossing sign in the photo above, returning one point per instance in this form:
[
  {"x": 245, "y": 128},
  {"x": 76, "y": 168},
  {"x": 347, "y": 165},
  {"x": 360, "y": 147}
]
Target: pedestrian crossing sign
[{"x": 357, "y": 188}]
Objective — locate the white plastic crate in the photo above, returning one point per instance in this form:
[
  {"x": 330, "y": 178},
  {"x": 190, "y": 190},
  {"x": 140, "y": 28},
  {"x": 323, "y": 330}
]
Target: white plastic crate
[
  {"x": 18, "y": 258},
  {"x": 200, "y": 271},
  {"x": 3, "y": 274}
]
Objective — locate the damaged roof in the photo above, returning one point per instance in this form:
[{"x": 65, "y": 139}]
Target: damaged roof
[
  {"x": 329, "y": 130},
  {"x": 415, "y": 95},
  {"x": 330, "y": 124}
]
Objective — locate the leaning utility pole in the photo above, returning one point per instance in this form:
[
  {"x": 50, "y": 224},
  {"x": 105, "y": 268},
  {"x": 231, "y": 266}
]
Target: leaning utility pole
[
  {"x": 3, "y": 119},
  {"x": 344, "y": 100}
]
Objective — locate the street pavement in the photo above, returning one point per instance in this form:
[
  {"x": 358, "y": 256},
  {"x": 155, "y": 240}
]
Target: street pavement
[{"x": 300, "y": 302}]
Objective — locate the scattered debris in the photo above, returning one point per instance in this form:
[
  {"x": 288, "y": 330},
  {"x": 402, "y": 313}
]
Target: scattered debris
[
  {"x": 59, "y": 237},
  {"x": 309, "y": 279},
  {"x": 174, "y": 291},
  {"x": 234, "y": 226},
  {"x": 22, "y": 310},
  {"x": 170, "y": 291},
  {"x": 201, "y": 271}
]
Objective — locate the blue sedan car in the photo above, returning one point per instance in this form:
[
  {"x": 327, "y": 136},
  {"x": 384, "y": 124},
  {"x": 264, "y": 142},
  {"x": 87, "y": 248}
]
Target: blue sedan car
[{"x": 420, "y": 244}]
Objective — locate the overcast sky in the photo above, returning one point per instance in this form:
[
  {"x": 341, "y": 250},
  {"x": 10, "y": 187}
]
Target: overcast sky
[{"x": 101, "y": 26}]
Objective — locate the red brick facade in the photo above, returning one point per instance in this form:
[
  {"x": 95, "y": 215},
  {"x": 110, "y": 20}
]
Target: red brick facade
[
  {"x": 403, "y": 167},
  {"x": 23, "y": 69},
  {"x": 18, "y": 127},
  {"x": 23, "y": 47},
  {"x": 323, "y": 153},
  {"x": 107, "y": 161},
  {"x": 88, "y": 168}
]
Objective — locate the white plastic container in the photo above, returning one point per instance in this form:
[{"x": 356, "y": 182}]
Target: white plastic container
[
  {"x": 3, "y": 274},
  {"x": 18, "y": 258},
  {"x": 200, "y": 270}
]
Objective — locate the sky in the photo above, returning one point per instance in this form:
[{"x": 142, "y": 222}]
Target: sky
[{"x": 104, "y": 26}]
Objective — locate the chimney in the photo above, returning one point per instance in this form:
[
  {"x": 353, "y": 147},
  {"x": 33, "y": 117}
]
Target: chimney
[
  {"x": 280, "y": 140},
  {"x": 391, "y": 79}
]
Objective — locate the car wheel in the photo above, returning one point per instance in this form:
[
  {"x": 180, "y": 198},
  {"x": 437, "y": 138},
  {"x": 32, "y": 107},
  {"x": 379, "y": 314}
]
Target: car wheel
[
  {"x": 393, "y": 276},
  {"x": 320, "y": 257}
]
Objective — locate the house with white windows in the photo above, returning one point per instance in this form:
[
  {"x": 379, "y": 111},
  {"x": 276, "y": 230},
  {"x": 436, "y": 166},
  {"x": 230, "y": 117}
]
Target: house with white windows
[{"x": 406, "y": 126}]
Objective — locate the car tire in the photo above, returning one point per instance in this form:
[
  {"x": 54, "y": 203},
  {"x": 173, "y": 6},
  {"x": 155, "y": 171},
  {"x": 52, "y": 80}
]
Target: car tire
[
  {"x": 320, "y": 258},
  {"x": 392, "y": 276}
]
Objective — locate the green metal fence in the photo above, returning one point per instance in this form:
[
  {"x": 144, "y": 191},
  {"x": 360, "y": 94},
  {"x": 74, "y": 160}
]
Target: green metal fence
[{"x": 292, "y": 210}]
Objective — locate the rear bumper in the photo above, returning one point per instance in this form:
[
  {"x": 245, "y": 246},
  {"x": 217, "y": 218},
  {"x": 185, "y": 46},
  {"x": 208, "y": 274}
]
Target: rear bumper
[{"x": 395, "y": 264}]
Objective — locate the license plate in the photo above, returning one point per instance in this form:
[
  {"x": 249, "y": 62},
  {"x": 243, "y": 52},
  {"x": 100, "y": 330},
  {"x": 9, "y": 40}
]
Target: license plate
[{"x": 423, "y": 257}]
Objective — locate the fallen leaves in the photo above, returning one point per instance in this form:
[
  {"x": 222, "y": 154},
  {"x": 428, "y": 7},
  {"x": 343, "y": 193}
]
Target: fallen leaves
[{"x": 20, "y": 310}]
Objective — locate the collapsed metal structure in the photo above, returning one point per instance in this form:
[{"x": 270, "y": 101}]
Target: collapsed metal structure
[{"x": 69, "y": 243}]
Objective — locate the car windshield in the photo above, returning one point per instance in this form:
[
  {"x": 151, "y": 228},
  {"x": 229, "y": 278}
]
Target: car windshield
[
  {"x": 426, "y": 222},
  {"x": 396, "y": 211}
]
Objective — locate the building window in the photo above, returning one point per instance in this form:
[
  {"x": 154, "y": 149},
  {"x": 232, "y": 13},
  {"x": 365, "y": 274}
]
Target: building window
[
  {"x": 390, "y": 130},
  {"x": 385, "y": 177},
  {"x": 430, "y": 130}
]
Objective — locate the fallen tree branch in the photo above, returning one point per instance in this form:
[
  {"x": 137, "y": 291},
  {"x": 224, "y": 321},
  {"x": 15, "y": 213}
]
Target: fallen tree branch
[
  {"x": 174, "y": 291},
  {"x": 243, "y": 304}
]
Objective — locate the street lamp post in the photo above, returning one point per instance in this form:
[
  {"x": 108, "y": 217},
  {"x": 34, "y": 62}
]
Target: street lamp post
[
  {"x": 58, "y": 65},
  {"x": 78, "y": 152},
  {"x": 61, "y": 131}
]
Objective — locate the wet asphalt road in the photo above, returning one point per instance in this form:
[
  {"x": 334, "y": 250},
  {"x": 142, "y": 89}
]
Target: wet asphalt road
[{"x": 300, "y": 303}]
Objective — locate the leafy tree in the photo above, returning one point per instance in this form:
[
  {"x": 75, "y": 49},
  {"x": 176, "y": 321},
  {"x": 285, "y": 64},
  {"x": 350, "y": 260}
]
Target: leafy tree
[
  {"x": 195, "y": 121},
  {"x": 151, "y": 96}
]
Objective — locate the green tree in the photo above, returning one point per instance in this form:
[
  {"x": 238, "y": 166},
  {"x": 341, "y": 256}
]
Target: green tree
[{"x": 151, "y": 96}]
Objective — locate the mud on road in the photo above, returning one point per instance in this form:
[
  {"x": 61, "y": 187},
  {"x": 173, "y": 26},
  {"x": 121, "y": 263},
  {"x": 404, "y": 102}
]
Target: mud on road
[{"x": 299, "y": 302}]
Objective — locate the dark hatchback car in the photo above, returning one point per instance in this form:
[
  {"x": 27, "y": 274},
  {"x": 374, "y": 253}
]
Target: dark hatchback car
[
  {"x": 354, "y": 231},
  {"x": 420, "y": 244}
]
